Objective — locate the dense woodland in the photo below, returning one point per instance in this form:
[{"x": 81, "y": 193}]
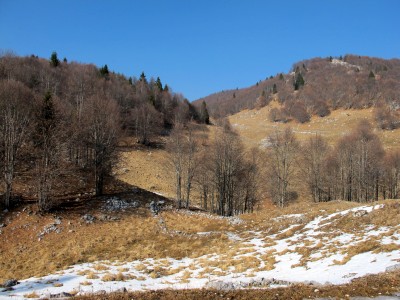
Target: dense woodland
[
  {"x": 61, "y": 122},
  {"x": 61, "y": 125},
  {"x": 319, "y": 85}
]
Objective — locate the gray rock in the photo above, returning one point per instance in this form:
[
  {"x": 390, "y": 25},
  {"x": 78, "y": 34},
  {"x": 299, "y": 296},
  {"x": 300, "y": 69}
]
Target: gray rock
[
  {"x": 220, "y": 285},
  {"x": 360, "y": 213},
  {"x": 122, "y": 290},
  {"x": 393, "y": 268},
  {"x": 115, "y": 204},
  {"x": 154, "y": 208},
  {"x": 89, "y": 219},
  {"x": 10, "y": 282},
  {"x": 61, "y": 295}
]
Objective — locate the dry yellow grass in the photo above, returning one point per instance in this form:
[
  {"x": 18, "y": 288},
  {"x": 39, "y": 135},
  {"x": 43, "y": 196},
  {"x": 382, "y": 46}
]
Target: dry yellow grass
[
  {"x": 32, "y": 295},
  {"x": 114, "y": 277},
  {"x": 254, "y": 126}
]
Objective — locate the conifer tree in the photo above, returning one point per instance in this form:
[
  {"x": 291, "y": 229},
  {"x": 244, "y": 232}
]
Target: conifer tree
[
  {"x": 274, "y": 89},
  {"x": 159, "y": 84},
  {"x": 54, "y": 61},
  {"x": 299, "y": 81},
  {"x": 204, "y": 116},
  {"x": 104, "y": 71}
]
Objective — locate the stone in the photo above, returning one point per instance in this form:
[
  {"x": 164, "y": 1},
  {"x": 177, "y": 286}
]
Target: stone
[
  {"x": 393, "y": 268},
  {"x": 360, "y": 213},
  {"x": 10, "y": 282},
  {"x": 220, "y": 285},
  {"x": 89, "y": 219},
  {"x": 61, "y": 295},
  {"x": 122, "y": 290}
]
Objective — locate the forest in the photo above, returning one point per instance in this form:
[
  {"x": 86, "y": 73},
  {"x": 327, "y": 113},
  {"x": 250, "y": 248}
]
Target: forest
[{"x": 62, "y": 123}]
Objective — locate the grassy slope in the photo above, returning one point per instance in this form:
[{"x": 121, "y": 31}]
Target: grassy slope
[{"x": 254, "y": 126}]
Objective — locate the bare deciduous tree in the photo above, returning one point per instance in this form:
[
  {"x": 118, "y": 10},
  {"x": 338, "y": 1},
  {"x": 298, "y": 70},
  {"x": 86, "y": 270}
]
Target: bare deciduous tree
[
  {"x": 314, "y": 155},
  {"x": 15, "y": 116},
  {"x": 283, "y": 154},
  {"x": 102, "y": 131},
  {"x": 182, "y": 147}
]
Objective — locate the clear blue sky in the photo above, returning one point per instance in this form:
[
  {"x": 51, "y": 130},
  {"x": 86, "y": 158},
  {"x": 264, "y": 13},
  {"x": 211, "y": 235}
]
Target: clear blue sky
[{"x": 199, "y": 47}]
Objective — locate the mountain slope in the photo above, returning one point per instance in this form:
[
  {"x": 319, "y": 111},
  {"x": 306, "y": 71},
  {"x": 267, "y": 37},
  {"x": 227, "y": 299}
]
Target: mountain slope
[{"x": 348, "y": 82}]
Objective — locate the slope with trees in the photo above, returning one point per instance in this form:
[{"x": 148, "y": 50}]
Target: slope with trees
[
  {"x": 60, "y": 119},
  {"x": 319, "y": 85}
]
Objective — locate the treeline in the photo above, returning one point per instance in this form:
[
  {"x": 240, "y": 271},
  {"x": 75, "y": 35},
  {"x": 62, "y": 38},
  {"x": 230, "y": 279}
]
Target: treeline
[
  {"x": 60, "y": 121},
  {"x": 319, "y": 85},
  {"x": 229, "y": 180},
  {"x": 357, "y": 168}
]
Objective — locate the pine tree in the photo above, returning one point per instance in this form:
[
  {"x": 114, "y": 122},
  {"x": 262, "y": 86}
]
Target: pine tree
[
  {"x": 104, "y": 71},
  {"x": 204, "y": 116},
  {"x": 143, "y": 77},
  {"x": 299, "y": 81},
  {"x": 54, "y": 61},
  {"x": 159, "y": 84},
  {"x": 274, "y": 89},
  {"x": 371, "y": 75}
]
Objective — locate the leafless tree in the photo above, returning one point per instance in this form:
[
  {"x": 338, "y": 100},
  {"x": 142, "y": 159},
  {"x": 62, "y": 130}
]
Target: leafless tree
[
  {"x": 183, "y": 150},
  {"x": 314, "y": 156},
  {"x": 283, "y": 154},
  {"x": 15, "y": 118},
  {"x": 102, "y": 132},
  {"x": 147, "y": 122}
]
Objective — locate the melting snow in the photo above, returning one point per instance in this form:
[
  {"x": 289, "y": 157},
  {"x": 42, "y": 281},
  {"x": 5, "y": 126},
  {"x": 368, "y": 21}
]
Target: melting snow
[{"x": 326, "y": 262}]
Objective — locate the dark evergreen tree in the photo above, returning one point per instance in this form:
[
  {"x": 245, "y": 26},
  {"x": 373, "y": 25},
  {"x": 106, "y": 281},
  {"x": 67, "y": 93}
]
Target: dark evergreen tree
[
  {"x": 104, "y": 71},
  {"x": 298, "y": 82},
  {"x": 54, "y": 61},
  {"x": 204, "y": 116},
  {"x": 159, "y": 84},
  {"x": 274, "y": 89},
  {"x": 371, "y": 75},
  {"x": 143, "y": 77}
]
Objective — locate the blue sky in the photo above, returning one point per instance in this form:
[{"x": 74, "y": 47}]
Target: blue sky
[{"x": 203, "y": 46}]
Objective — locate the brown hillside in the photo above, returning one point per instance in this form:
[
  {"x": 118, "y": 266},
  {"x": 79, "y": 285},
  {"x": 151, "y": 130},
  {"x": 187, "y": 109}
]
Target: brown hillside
[{"x": 349, "y": 82}]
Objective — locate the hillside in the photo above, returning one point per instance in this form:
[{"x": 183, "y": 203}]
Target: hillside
[
  {"x": 316, "y": 244},
  {"x": 254, "y": 126},
  {"x": 318, "y": 85}
]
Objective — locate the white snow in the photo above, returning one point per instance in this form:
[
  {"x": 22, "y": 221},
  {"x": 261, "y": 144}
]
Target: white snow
[{"x": 326, "y": 262}]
